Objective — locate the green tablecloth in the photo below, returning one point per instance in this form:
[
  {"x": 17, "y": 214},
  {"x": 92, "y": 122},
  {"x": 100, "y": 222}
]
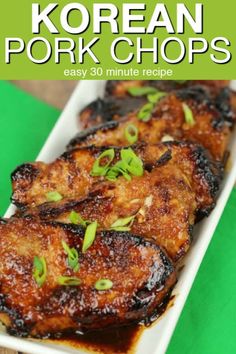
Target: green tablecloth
[{"x": 207, "y": 324}]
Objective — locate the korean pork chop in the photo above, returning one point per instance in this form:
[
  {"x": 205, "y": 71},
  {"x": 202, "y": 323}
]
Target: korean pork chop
[
  {"x": 204, "y": 122},
  {"x": 120, "y": 88},
  {"x": 177, "y": 184},
  {"x": 120, "y": 279},
  {"x": 119, "y": 102}
]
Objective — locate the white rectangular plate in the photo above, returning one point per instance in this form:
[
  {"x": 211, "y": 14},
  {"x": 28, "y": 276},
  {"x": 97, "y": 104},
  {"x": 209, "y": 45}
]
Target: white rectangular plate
[{"x": 155, "y": 339}]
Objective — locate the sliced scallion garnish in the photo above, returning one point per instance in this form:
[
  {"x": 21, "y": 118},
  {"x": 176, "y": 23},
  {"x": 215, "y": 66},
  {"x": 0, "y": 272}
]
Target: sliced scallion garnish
[
  {"x": 141, "y": 91},
  {"x": 101, "y": 169},
  {"x": 131, "y": 133},
  {"x": 68, "y": 281},
  {"x": 54, "y": 196},
  {"x": 154, "y": 98},
  {"x": 145, "y": 112},
  {"x": 123, "y": 224},
  {"x": 188, "y": 114},
  {"x": 76, "y": 218},
  {"x": 103, "y": 284},
  {"x": 89, "y": 236},
  {"x": 116, "y": 170},
  {"x": 73, "y": 256},
  {"x": 131, "y": 162},
  {"x": 39, "y": 270}
]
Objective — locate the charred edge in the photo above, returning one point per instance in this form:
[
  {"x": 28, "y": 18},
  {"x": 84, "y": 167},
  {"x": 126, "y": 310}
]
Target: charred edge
[
  {"x": 26, "y": 171},
  {"x": 19, "y": 327},
  {"x": 211, "y": 170},
  {"x": 77, "y": 230},
  {"x": 108, "y": 235},
  {"x": 169, "y": 268},
  {"x": 22, "y": 215},
  {"x": 110, "y": 87},
  {"x": 208, "y": 169},
  {"x": 167, "y": 156},
  {"x": 93, "y": 149},
  {"x": 46, "y": 210},
  {"x": 88, "y": 133},
  {"x": 97, "y": 108},
  {"x": 103, "y": 111},
  {"x": 220, "y": 105},
  {"x": 198, "y": 94},
  {"x": 190, "y": 232},
  {"x": 204, "y": 212},
  {"x": 120, "y": 107},
  {"x": 111, "y": 108},
  {"x": 223, "y": 105},
  {"x": 97, "y": 150},
  {"x": 161, "y": 308},
  {"x": 21, "y": 206},
  {"x": 3, "y": 221}
]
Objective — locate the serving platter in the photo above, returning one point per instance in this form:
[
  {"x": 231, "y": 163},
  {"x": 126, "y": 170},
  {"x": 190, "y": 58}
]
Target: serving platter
[{"x": 154, "y": 340}]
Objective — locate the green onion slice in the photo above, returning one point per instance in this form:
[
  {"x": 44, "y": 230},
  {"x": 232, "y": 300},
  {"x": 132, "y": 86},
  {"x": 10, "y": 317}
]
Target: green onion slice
[
  {"x": 131, "y": 133},
  {"x": 68, "y": 281},
  {"x": 188, "y": 114},
  {"x": 123, "y": 224},
  {"x": 54, "y": 196},
  {"x": 116, "y": 170},
  {"x": 89, "y": 236},
  {"x": 103, "y": 284},
  {"x": 154, "y": 98},
  {"x": 145, "y": 112},
  {"x": 101, "y": 169},
  {"x": 73, "y": 256},
  {"x": 131, "y": 162},
  {"x": 39, "y": 270},
  {"x": 76, "y": 218},
  {"x": 141, "y": 91}
]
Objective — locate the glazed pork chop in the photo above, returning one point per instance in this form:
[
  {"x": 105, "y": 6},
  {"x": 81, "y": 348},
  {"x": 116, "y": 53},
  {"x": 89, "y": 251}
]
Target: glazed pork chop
[
  {"x": 120, "y": 88},
  {"x": 178, "y": 184},
  {"x": 70, "y": 175},
  {"x": 204, "y": 122},
  {"x": 120, "y": 279},
  {"x": 119, "y": 102}
]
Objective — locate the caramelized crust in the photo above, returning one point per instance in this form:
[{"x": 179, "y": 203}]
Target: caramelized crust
[
  {"x": 159, "y": 206},
  {"x": 70, "y": 174},
  {"x": 141, "y": 273},
  {"x": 212, "y": 126},
  {"x": 179, "y": 183},
  {"x": 119, "y": 88},
  {"x": 108, "y": 109},
  {"x": 118, "y": 103}
]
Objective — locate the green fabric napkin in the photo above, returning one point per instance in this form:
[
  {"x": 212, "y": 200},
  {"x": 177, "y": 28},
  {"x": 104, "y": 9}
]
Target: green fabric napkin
[
  {"x": 207, "y": 324},
  {"x": 25, "y": 123}
]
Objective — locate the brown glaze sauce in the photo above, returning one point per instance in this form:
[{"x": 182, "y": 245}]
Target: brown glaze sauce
[
  {"x": 112, "y": 341},
  {"x": 122, "y": 340}
]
